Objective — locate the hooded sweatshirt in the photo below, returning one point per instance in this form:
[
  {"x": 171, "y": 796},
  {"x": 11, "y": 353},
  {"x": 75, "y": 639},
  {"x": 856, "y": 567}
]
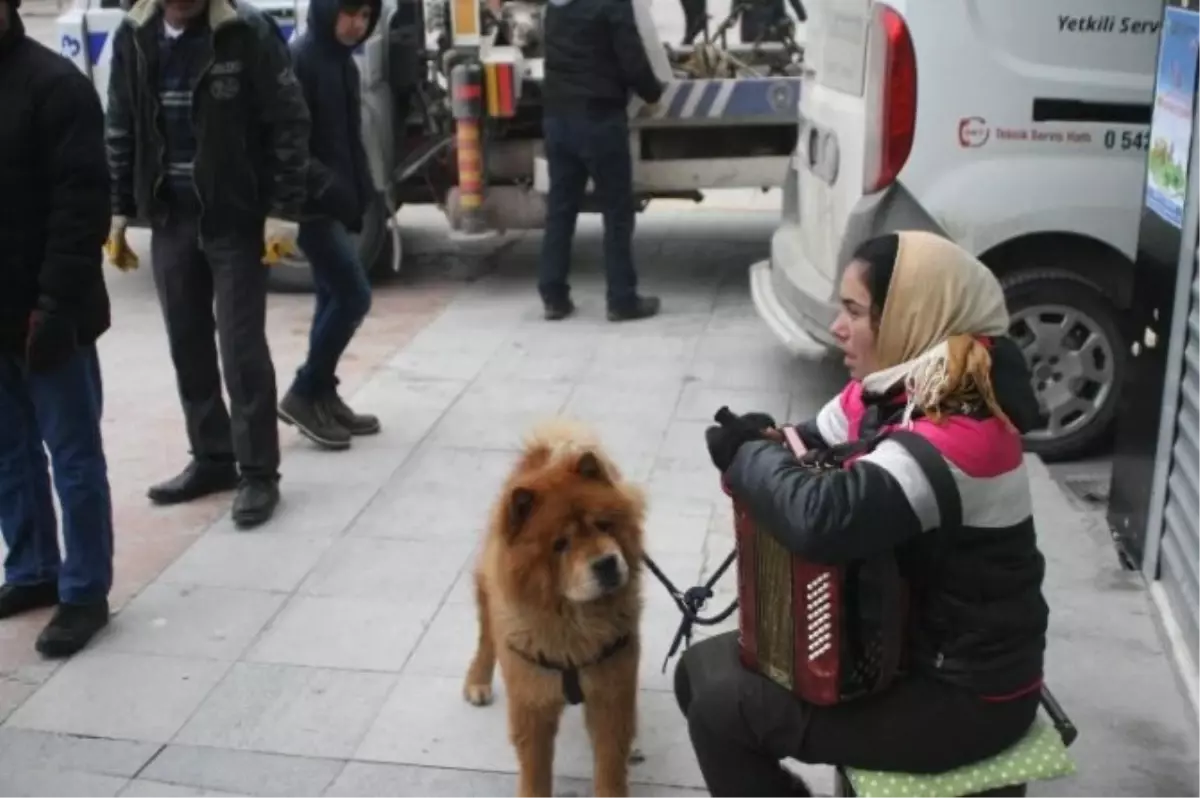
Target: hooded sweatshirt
[{"x": 339, "y": 184}]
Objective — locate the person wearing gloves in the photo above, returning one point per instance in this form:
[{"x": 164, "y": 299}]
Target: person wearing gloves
[
  {"x": 208, "y": 141},
  {"x": 54, "y": 214},
  {"x": 923, "y": 327},
  {"x": 340, "y": 189},
  {"x": 594, "y": 58}
]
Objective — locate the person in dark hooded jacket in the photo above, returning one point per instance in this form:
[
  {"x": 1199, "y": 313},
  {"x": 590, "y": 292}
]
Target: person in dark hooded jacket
[
  {"x": 340, "y": 189},
  {"x": 54, "y": 188},
  {"x": 923, "y": 326}
]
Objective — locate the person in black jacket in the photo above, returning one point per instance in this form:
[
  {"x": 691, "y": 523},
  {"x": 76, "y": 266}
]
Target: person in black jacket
[
  {"x": 53, "y": 307},
  {"x": 923, "y": 328},
  {"x": 594, "y": 58},
  {"x": 208, "y": 141},
  {"x": 340, "y": 189}
]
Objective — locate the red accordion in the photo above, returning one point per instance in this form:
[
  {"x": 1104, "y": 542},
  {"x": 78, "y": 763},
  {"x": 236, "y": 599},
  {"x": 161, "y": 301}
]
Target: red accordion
[{"x": 827, "y": 633}]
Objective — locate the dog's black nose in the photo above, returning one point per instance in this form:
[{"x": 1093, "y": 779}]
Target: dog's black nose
[{"x": 607, "y": 570}]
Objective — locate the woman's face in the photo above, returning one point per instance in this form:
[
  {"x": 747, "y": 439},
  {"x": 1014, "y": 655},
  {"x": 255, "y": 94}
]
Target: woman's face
[{"x": 853, "y": 328}]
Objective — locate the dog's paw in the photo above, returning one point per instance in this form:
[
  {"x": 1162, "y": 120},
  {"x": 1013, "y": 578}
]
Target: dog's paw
[{"x": 478, "y": 694}]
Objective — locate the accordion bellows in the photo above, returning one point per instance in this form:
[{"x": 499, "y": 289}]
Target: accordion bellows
[{"x": 825, "y": 633}]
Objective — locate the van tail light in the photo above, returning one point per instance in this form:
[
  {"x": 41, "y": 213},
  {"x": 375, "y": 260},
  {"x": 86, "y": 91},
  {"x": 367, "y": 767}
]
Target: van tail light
[{"x": 892, "y": 99}]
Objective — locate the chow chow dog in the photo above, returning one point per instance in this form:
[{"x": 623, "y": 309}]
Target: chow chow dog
[{"x": 558, "y": 586}]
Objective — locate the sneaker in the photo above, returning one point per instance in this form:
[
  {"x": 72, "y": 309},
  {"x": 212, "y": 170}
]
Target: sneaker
[
  {"x": 255, "y": 502},
  {"x": 642, "y": 308},
  {"x": 355, "y": 423},
  {"x": 558, "y": 310},
  {"x": 314, "y": 420},
  {"x": 72, "y": 627},
  {"x": 201, "y": 478},
  {"x": 16, "y": 599}
]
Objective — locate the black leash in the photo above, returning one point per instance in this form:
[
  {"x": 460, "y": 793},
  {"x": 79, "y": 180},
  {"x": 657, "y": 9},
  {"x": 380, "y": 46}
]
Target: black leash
[{"x": 690, "y": 602}]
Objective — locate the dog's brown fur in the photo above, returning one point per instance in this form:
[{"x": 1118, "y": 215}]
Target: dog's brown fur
[{"x": 563, "y": 506}]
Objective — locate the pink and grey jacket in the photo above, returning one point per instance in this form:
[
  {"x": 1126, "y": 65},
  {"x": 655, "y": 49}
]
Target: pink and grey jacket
[{"x": 980, "y": 615}]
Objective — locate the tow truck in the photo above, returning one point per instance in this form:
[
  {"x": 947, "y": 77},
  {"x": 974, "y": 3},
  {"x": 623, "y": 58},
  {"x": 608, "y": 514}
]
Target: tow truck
[{"x": 452, "y": 111}]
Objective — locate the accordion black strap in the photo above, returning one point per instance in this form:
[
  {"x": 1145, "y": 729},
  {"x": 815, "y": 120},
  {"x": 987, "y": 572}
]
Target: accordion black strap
[{"x": 949, "y": 503}]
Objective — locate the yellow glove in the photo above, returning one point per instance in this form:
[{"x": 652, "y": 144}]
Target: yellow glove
[
  {"x": 279, "y": 240},
  {"x": 116, "y": 248}
]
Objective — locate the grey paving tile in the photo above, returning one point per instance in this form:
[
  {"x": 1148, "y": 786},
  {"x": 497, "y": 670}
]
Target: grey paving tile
[
  {"x": 498, "y": 415},
  {"x": 367, "y": 465},
  {"x": 369, "y": 779},
  {"x": 676, "y": 526},
  {"x": 270, "y": 558},
  {"x": 358, "y": 634},
  {"x": 413, "y": 363},
  {"x": 685, "y": 442},
  {"x": 57, "y": 783},
  {"x": 148, "y": 788},
  {"x": 400, "y": 736},
  {"x": 407, "y": 406},
  {"x": 13, "y": 693},
  {"x": 700, "y": 401},
  {"x": 541, "y": 356},
  {"x": 192, "y": 621},
  {"x": 403, "y": 571},
  {"x": 448, "y": 644},
  {"x": 400, "y": 513},
  {"x": 126, "y": 696},
  {"x": 288, "y": 710},
  {"x": 466, "y": 474},
  {"x": 24, "y": 749},
  {"x": 242, "y": 772},
  {"x": 683, "y": 479},
  {"x": 646, "y": 406}
]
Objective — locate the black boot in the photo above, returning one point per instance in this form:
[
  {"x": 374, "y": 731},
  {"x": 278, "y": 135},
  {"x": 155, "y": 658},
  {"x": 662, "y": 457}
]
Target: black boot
[
  {"x": 354, "y": 423},
  {"x": 201, "y": 478},
  {"x": 16, "y": 599},
  {"x": 71, "y": 628},
  {"x": 315, "y": 421},
  {"x": 642, "y": 308},
  {"x": 558, "y": 309},
  {"x": 255, "y": 502}
]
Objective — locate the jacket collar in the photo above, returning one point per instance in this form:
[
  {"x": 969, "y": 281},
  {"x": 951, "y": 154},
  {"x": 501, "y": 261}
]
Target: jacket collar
[{"x": 220, "y": 12}]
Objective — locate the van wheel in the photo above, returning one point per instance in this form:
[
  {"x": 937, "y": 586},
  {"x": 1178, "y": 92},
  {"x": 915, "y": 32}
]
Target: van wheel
[
  {"x": 1073, "y": 343},
  {"x": 376, "y": 251}
]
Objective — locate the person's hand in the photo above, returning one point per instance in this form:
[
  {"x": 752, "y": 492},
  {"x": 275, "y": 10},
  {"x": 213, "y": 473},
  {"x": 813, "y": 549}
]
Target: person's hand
[
  {"x": 279, "y": 240},
  {"x": 732, "y": 431},
  {"x": 50, "y": 341},
  {"x": 116, "y": 248},
  {"x": 724, "y": 442}
]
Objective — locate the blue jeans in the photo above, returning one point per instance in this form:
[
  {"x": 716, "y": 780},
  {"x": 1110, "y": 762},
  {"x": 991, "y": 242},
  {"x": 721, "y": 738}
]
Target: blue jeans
[
  {"x": 61, "y": 409},
  {"x": 343, "y": 300},
  {"x": 589, "y": 144}
]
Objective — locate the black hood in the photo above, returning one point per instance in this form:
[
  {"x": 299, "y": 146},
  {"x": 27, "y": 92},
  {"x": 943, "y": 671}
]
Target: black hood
[{"x": 322, "y": 16}]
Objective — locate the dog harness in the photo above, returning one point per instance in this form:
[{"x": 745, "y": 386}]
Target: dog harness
[{"x": 572, "y": 689}]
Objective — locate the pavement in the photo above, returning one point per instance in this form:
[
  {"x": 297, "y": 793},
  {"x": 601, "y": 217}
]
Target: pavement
[{"x": 323, "y": 654}]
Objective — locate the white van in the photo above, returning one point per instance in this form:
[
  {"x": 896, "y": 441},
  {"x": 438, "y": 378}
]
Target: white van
[{"x": 1017, "y": 128}]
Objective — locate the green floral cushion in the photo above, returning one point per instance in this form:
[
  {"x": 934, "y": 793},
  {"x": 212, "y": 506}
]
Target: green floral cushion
[{"x": 1039, "y": 756}]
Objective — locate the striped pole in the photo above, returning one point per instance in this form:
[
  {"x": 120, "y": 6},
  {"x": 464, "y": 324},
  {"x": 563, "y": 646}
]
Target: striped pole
[{"x": 466, "y": 103}]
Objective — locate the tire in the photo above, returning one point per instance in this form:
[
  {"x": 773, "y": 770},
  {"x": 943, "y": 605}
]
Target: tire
[
  {"x": 376, "y": 251},
  {"x": 1073, "y": 341}
]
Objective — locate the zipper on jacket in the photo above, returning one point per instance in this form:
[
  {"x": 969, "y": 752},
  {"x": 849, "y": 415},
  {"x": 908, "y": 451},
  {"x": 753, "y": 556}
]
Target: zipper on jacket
[
  {"x": 154, "y": 110},
  {"x": 197, "y": 130}
]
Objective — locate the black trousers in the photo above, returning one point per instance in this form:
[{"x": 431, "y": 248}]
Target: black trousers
[
  {"x": 190, "y": 277},
  {"x": 580, "y": 145},
  {"x": 742, "y": 724}
]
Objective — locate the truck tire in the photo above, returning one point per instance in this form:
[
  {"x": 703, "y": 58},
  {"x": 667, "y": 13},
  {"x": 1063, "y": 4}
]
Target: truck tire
[
  {"x": 1072, "y": 339},
  {"x": 376, "y": 252}
]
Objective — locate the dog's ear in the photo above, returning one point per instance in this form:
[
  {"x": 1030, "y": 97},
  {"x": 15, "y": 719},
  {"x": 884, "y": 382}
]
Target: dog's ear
[
  {"x": 520, "y": 505},
  {"x": 590, "y": 467}
]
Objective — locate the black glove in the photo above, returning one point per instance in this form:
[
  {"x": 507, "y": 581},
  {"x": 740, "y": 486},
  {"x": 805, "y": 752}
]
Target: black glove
[
  {"x": 733, "y": 430},
  {"x": 50, "y": 342}
]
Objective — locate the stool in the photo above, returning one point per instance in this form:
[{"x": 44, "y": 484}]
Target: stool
[{"x": 1040, "y": 755}]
